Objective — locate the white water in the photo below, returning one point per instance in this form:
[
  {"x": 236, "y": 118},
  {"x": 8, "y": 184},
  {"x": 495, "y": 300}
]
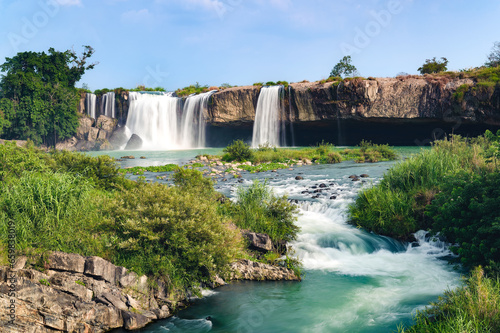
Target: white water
[
  {"x": 163, "y": 124},
  {"x": 90, "y": 105},
  {"x": 193, "y": 120},
  {"x": 108, "y": 105},
  {"x": 267, "y": 125}
]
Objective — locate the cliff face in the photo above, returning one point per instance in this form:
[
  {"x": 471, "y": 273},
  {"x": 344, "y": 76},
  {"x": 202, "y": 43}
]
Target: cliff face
[{"x": 412, "y": 97}]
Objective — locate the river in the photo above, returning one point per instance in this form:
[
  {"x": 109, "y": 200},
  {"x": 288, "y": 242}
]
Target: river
[{"x": 354, "y": 281}]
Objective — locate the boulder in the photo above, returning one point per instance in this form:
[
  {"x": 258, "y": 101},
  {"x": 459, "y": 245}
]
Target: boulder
[
  {"x": 84, "y": 128},
  {"x": 101, "y": 269},
  {"x": 103, "y": 134},
  {"x": 134, "y": 321},
  {"x": 106, "y": 123},
  {"x": 119, "y": 138},
  {"x": 299, "y": 178},
  {"x": 93, "y": 134},
  {"x": 259, "y": 242},
  {"x": 135, "y": 142},
  {"x": 69, "y": 262}
]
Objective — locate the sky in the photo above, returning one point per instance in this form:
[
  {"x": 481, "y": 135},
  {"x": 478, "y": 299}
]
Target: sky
[{"x": 175, "y": 43}]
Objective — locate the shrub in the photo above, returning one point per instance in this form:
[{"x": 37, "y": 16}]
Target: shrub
[
  {"x": 237, "y": 151},
  {"x": 172, "y": 234},
  {"x": 259, "y": 210}
]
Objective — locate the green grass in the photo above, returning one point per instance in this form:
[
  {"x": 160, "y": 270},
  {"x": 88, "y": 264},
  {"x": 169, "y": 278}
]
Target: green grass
[
  {"x": 474, "y": 308},
  {"x": 140, "y": 170},
  {"x": 395, "y": 207}
]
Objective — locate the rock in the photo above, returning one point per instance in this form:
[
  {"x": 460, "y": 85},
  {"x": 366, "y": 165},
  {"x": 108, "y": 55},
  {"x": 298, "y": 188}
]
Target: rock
[
  {"x": 259, "y": 242},
  {"x": 333, "y": 197},
  {"x": 84, "y": 127},
  {"x": 93, "y": 134},
  {"x": 364, "y": 175},
  {"x": 69, "y": 144},
  {"x": 69, "y": 262},
  {"x": 19, "y": 263},
  {"x": 203, "y": 158},
  {"x": 304, "y": 192},
  {"x": 353, "y": 176},
  {"x": 299, "y": 177},
  {"x": 318, "y": 191},
  {"x": 130, "y": 157},
  {"x": 249, "y": 270},
  {"x": 115, "y": 301},
  {"x": 322, "y": 185},
  {"x": 134, "y": 321},
  {"x": 119, "y": 138},
  {"x": 135, "y": 142},
  {"x": 308, "y": 162},
  {"x": 355, "y": 179},
  {"x": 101, "y": 269},
  {"x": 103, "y": 134},
  {"x": 106, "y": 123},
  {"x": 143, "y": 157}
]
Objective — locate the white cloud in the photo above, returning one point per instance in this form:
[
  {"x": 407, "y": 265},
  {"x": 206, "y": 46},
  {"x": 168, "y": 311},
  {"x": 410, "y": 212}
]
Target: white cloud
[
  {"x": 69, "y": 2},
  {"x": 136, "y": 15}
]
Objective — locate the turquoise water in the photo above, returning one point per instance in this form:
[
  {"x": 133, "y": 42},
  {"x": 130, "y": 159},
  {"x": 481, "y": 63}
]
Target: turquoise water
[{"x": 354, "y": 281}]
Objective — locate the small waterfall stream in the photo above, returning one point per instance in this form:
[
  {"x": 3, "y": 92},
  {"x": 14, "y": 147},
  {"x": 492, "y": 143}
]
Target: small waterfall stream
[
  {"x": 90, "y": 103},
  {"x": 268, "y": 125},
  {"x": 108, "y": 105}
]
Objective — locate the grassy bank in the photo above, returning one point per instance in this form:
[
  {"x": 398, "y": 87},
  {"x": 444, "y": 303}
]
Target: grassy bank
[{"x": 183, "y": 234}]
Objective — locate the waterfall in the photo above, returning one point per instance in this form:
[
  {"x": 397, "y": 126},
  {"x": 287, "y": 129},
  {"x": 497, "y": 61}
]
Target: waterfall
[
  {"x": 268, "y": 122},
  {"x": 290, "y": 119},
  {"x": 154, "y": 118},
  {"x": 162, "y": 122},
  {"x": 108, "y": 104},
  {"x": 90, "y": 103},
  {"x": 193, "y": 120}
]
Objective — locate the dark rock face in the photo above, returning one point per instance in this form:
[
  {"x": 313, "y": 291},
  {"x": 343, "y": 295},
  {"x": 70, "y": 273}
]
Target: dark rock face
[
  {"x": 259, "y": 242},
  {"x": 135, "y": 142}
]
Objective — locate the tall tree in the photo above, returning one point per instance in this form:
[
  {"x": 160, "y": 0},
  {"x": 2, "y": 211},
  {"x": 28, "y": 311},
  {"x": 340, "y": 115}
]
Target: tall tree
[
  {"x": 38, "y": 94},
  {"x": 343, "y": 67}
]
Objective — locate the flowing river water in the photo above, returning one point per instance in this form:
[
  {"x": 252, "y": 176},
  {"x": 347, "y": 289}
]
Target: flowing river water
[{"x": 354, "y": 281}]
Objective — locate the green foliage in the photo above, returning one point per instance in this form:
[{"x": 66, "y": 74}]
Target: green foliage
[
  {"x": 193, "y": 180},
  {"x": 258, "y": 84},
  {"x": 141, "y": 88},
  {"x": 172, "y": 234},
  {"x": 48, "y": 209},
  {"x": 263, "y": 167},
  {"x": 459, "y": 94},
  {"x": 237, "y": 151},
  {"x": 433, "y": 66},
  {"x": 140, "y": 170},
  {"x": 192, "y": 89},
  {"x": 283, "y": 83},
  {"x": 466, "y": 212},
  {"x": 395, "y": 206},
  {"x": 472, "y": 308},
  {"x": 81, "y": 283},
  {"x": 259, "y": 210},
  {"x": 343, "y": 68},
  {"x": 42, "y": 94},
  {"x": 270, "y": 83},
  {"x": 44, "y": 282}
]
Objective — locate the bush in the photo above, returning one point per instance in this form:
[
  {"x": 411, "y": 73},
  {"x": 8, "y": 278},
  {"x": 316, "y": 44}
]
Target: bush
[
  {"x": 259, "y": 210},
  {"x": 466, "y": 212},
  {"x": 171, "y": 234},
  {"x": 237, "y": 151}
]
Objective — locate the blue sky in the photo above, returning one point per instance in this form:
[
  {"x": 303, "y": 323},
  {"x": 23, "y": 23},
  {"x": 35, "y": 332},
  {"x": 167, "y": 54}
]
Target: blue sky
[{"x": 174, "y": 43}]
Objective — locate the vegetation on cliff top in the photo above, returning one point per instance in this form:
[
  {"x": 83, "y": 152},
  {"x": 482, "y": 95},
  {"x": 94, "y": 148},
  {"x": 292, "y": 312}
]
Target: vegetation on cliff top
[{"x": 171, "y": 232}]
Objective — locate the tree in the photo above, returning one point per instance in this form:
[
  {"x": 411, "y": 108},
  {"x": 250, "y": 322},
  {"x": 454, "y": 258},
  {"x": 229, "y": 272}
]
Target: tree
[
  {"x": 38, "y": 95},
  {"x": 434, "y": 66},
  {"x": 494, "y": 56},
  {"x": 343, "y": 67}
]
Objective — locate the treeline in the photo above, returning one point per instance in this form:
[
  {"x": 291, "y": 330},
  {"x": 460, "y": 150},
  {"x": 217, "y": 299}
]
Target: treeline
[
  {"x": 452, "y": 190},
  {"x": 183, "y": 234}
]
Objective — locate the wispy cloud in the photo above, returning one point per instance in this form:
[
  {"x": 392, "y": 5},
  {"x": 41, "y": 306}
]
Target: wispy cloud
[{"x": 136, "y": 15}]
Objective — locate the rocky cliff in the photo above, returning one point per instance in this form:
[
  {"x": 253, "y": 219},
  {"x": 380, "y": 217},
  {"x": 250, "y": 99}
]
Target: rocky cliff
[
  {"x": 406, "y": 97},
  {"x": 91, "y": 295}
]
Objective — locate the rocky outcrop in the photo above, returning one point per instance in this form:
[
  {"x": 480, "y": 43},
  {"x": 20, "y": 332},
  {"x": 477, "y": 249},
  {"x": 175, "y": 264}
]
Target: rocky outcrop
[
  {"x": 259, "y": 242},
  {"x": 89, "y": 294},
  {"x": 135, "y": 142},
  {"x": 233, "y": 105},
  {"x": 251, "y": 270},
  {"x": 79, "y": 294}
]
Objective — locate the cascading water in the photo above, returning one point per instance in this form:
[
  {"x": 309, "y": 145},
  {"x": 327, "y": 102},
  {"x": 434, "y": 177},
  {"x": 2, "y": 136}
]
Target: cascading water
[
  {"x": 90, "y": 105},
  {"x": 292, "y": 134},
  {"x": 268, "y": 123},
  {"x": 154, "y": 119},
  {"x": 108, "y": 105},
  {"x": 163, "y": 124},
  {"x": 193, "y": 120}
]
